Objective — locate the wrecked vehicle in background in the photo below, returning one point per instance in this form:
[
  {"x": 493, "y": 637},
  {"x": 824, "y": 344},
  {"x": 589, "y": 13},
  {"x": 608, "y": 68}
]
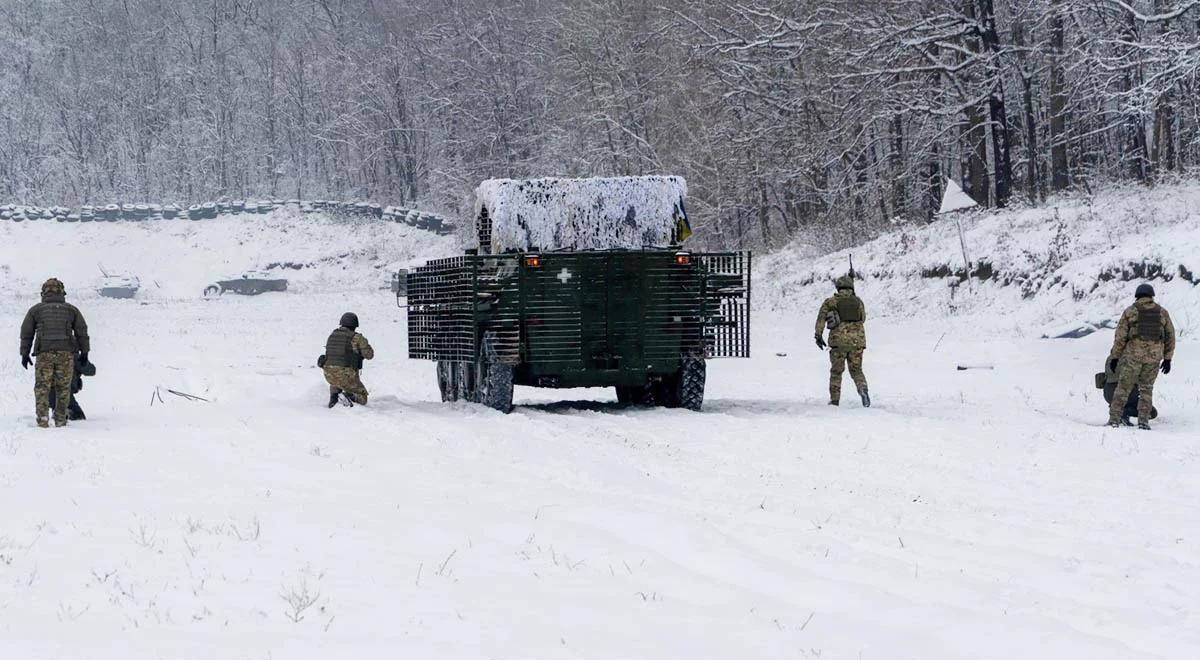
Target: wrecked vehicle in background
[
  {"x": 119, "y": 286},
  {"x": 113, "y": 285},
  {"x": 249, "y": 284}
]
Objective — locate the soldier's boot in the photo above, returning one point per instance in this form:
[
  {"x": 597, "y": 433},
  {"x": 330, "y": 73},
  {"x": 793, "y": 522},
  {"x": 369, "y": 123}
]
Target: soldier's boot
[
  {"x": 834, "y": 402},
  {"x": 1125, "y": 421},
  {"x": 43, "y": 422},
  {"x": 59, "y": 423},
  {"x": 1114, "y": 422},
  {"x": 866, "y": 398},
  {"x": 1143, "y": 424},
  {"x": 347, "y": 400},
  {"x": 333, "y": 398}
]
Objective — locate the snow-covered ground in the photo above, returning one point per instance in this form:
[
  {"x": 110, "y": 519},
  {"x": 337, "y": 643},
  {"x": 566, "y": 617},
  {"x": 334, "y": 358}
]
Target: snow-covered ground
[
  {"x": 968, "y": 514},
  {"x": 176, "y": 259},
  {"x": 1074, "y": 260}
]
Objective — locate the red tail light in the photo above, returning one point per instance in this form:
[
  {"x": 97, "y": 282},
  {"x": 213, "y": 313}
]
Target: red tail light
[
  {"x": 683, "y": 259},
  {"x": 533, "y": 261}
]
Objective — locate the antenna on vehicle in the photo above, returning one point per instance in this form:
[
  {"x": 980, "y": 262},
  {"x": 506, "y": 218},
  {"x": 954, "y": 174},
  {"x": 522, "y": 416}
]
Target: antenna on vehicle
[
  {"x": 852, "y": 265},
  {"x": 102, "y": 271}
]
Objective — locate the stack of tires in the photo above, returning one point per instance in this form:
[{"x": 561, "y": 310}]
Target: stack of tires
[{"x": 134, "y": 212}]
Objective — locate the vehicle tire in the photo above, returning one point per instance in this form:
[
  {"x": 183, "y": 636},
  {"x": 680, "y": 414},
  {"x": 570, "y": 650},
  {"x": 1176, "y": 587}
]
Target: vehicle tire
[
  {"x": 494, "y": 384},
  {"x": 689, "y": 384},
  {"x": 464, "y": 381},
  {"x": 212, "y": 290},
  {"x": 447, "y": 375}
]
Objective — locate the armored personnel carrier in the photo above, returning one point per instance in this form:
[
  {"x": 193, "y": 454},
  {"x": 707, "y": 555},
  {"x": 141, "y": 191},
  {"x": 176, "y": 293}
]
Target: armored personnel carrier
[{"x": 579, "y": 283}]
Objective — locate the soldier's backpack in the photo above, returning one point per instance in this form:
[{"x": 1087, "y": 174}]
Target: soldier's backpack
[{"x": 1149, "y": 324}]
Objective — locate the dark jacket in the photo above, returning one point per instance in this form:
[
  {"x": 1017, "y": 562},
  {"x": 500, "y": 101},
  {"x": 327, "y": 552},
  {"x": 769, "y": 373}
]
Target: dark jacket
[{"x": 54, "y": 325}]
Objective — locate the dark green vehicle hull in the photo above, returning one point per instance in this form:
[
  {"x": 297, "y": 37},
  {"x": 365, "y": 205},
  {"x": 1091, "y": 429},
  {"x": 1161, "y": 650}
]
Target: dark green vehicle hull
[{"x": 625, "y": 319}]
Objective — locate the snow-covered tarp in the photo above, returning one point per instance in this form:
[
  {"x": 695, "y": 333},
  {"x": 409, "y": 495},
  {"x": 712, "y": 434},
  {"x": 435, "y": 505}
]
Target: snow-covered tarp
[{"x": 579, "y": 214}]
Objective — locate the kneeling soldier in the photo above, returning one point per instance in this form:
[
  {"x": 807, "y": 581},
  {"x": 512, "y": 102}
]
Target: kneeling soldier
[{"x": 345, "y": 351}]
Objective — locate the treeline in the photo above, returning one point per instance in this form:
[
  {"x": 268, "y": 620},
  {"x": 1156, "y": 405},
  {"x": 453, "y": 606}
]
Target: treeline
[{"x": 833, "y": 117}]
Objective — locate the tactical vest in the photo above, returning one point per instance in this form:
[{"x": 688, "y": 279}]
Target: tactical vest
[
  {"x": 850, "y": 309},
  {"x": 339, "y": 350},
  {"x": 54, "y": 331},
  {"x": 1149, "y": 324}
]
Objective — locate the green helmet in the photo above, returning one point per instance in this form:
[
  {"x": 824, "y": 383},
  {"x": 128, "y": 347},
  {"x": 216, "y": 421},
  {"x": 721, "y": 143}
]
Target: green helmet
[
  {"x": 53, "y": 286},
  {"x": 844, "y": 282}
]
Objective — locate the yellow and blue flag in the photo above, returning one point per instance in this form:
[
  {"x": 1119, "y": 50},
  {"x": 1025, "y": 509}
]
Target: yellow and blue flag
[{"x": 683, "y": 228}]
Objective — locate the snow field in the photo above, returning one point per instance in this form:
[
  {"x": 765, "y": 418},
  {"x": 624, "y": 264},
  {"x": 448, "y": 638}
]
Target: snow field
[
  {"x": 974, "y": 514},
  {"x": 176, "y": 259},
  {"x": 969, "y": 514}
]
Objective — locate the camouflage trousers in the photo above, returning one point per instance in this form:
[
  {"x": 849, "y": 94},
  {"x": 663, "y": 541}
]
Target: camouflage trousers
[
  {"x": 839, "y": 358},
  {"x": 345, "y": 379},
  {"x": 1131, "y": 372},
  {"x": 54, "y": 369}
]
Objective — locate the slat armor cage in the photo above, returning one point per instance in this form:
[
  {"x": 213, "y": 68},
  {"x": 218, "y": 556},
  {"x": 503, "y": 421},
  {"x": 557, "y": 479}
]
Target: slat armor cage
[{"x": 576, "y": 311}]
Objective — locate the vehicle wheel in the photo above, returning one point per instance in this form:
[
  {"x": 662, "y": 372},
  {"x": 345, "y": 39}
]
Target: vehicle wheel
[
  {"x": 212, "y": 290},
  {"x": 447, "y": 375},
  {"x": 689, "y": 384},
  {"x": 464, "y": 381},
  {"x": 494, "y": 384}
]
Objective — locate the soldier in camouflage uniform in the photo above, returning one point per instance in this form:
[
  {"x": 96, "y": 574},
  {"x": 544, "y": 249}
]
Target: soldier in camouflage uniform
[
  {"x": 345, "y": 351},
  {"x": 844, "y": 314},
  {"x": 1144, "y": 344},
  {"x": 54, "y": 331}
]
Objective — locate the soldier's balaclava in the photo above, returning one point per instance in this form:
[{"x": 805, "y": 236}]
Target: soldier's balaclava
[
  {"x": 349, "y": 320},
  {"x": 844, "y": 282},
  {"x": 53, "y": 287},
  {"x": 1144, "y": 291}
]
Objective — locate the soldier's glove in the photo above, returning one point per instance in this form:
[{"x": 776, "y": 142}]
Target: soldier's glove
[
  {"x": 25, "y": 361},
  {"x": 820, "y": 342},
  {"x": 83, "y": 357},
  {"x": 1166, "y": 366},
  {"x": 1112, "y": 365}
]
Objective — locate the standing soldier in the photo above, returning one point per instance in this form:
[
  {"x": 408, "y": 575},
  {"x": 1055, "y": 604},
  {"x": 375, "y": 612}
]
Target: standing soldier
[
  {"x": 345, "y": 351},
  {"x": 844, "y": 314},
  {"x": 54, "y": 331},
  {"x": 1144, "y": 343}
]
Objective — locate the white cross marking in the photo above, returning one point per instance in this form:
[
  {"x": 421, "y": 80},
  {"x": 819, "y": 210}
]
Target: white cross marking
[{"x": 564, "y": 275}]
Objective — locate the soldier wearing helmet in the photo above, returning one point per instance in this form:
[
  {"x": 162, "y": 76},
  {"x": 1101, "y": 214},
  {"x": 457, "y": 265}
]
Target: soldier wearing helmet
[
  {"x": 54, "y": 332},
  {"x": 844, "y": 315},
  {"x": 345, "y": 351},
  {"x": 1144, "y": 344}
]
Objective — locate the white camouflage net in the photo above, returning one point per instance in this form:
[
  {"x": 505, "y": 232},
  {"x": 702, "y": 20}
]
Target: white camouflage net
[{"x": 579, "y": 214}]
